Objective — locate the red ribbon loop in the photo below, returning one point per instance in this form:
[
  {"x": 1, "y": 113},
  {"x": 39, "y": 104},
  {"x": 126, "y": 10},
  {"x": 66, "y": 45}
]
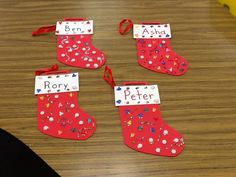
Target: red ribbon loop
[
  {"x": 52, "y": 70},
  {"x": 127, "y": 28},
  {"x": 108, "y": 77},
  {"x": 44, "y": 70},
  {"x": 44, "y": 29}
]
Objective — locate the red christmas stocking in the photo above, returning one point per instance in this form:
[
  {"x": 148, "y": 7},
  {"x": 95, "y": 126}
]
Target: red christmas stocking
[
  {"x": 142, "y": 125},
  {"x": 153, "y": 48},
  {"x": 59, "y": 114},
  {"x": 74, "y": 43}
]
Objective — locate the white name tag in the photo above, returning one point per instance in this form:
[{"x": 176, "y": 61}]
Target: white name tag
[
  {"x": 136, "y": 95},
  {"x": 56, "y": 83},
  {"x": 152, "y": 31},
  {"x": 74, "y": 27}
]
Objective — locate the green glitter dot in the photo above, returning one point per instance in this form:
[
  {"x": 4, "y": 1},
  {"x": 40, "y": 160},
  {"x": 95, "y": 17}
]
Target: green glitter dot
[{"x": 140, "y": 128}]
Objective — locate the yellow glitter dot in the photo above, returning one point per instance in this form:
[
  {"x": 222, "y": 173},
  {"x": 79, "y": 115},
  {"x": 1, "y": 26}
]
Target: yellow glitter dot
[
  {"x": 129, "y": 122},
  {"x": 47, "y": 105},
  {"x": 71, "y": 94},
  {"x": 132, "y": 135},
  {"x": 41, "y": 98}
]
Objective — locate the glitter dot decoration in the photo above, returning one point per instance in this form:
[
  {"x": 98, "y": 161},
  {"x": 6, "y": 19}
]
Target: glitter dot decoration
[
  {"x": 176, "y": 140},
  {"x": 164, "y": 141},
  {"x": 77, "y": 115},
  {"x": 151, "y": 140},
  {"x": 173, "y": 151},
  {"x": 45, "y": 128},
  {"x": 153, "y": 130},
  {"x": 165, "y": 132},
  {"x": 139, "y": 146},
  {"x": 81, "y": 122},
  {"x": 158, "y": 150},
  {"x": 89, "y": 120},
  {"x": 51, "y": 119}
]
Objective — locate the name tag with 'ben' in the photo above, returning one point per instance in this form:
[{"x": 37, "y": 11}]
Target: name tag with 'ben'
[{"x": 74, "y": 27}]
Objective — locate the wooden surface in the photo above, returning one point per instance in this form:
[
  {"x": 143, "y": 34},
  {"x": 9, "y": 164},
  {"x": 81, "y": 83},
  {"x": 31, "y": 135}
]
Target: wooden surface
[{"x": 201, "y": 104}]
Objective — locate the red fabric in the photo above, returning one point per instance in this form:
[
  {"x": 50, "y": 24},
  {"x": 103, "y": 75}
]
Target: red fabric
[
  {"x": 157, "y": 55},
  {"x": 145, "y": 131},
  {"x": 59, "y": 114}
]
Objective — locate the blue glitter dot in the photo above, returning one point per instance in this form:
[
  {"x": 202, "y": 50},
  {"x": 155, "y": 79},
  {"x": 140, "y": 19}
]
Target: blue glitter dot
[
  {"x": 140, "y": 115},
  {"x": 153, "y": 130},
  {"x": 127, "y": 111}
]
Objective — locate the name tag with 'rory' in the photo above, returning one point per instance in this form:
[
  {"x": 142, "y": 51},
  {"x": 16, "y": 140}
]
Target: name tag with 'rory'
[
  {"x": 56, "y": 83},
  {"x": 136, "y": 95}
]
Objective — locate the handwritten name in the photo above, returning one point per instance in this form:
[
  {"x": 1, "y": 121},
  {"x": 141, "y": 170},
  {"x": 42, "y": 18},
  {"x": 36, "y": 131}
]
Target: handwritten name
[
  {"x": 68, "y": 28},
  {"x": 153, "y": 31},
  {"x": 48, "y": 85},
  {"x": 137, "y": 95}
]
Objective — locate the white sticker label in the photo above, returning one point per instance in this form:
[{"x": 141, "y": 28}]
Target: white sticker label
[
  {"x": 152, "y": 31},
  {"x": 56, "y": 83},
  {"x": 74, "y": 27},
  {"x": 136, "y": 95}
]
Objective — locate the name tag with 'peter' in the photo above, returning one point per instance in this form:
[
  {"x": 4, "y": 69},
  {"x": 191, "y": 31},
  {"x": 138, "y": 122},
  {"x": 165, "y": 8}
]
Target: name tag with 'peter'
[{"x": 136, "y": 95}]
